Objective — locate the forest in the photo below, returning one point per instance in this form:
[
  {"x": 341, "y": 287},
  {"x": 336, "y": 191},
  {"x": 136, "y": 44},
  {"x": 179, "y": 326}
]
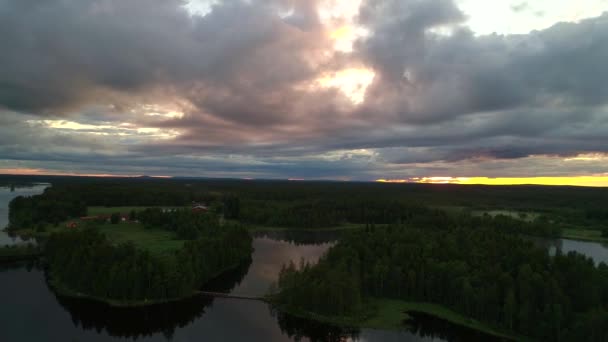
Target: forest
[
  {"x": 86, "y": 261},
  {"x": 313, "y": 205},
  {"x": 493, "y": 276}
]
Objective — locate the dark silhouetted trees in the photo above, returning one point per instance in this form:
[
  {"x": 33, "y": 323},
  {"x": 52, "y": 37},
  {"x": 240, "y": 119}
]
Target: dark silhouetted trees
[
  {"x": 87, "y": 262},
  {"x": 480, "y": 272}
]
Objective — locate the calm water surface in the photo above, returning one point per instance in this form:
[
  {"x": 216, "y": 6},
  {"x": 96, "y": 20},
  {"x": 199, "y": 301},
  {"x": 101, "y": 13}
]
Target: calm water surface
[{"x": 595, "y": 250}]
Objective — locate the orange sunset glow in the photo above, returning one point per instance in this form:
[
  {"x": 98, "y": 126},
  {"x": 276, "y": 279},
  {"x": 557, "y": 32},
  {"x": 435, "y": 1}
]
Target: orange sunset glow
[{"x": 592, "y": 181}]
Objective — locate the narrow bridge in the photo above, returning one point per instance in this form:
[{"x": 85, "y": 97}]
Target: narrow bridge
[{"x": 230, "y": 295}]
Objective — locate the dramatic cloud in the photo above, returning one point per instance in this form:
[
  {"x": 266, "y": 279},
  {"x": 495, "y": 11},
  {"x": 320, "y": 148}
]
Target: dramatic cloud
[{"x": 299, "y": 88}]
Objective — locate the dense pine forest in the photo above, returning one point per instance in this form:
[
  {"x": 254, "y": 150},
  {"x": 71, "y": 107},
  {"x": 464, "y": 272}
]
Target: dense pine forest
[
  {"x": 318, "y": 204},
  {"x": 478, "y": 271},
  {"x": 86, "y": 262}
]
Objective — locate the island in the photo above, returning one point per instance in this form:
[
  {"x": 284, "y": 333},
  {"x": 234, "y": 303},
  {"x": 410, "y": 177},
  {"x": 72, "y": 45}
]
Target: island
[
  {"x": 134, "y": 256},
  {"x": 462, "y": 269}
]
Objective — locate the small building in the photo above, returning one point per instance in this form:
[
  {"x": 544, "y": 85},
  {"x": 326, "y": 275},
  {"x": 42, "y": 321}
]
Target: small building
[{"x": 71, "y": 225}]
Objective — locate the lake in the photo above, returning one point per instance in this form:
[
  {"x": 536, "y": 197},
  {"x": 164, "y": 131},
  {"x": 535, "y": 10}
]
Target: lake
[
  {"x": 595, "y": 250},
  {"x": 6, "y": 195}
]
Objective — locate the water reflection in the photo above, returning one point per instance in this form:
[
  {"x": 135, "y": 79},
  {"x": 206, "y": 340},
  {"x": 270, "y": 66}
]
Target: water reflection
[
  {"x": 28, "y": 265},
  {"x": 274, "y": 249},
  {"x": 302, "y": 237},
  {"x": 595, "y": 250},
  {"x": 424, "y": 325},
  {"x": 135, "y": 322},
  {"x": 150, "y": 320},
  {"x": 299, "y": 328}
]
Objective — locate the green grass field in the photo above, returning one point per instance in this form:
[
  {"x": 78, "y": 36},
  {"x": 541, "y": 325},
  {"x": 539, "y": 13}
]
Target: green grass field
[
  {"x": 528, "y": 216},
  {"x": 156, "y": 241},
  {"x": 391, "y": 314},
  {"x": 584, "y": 235},
  {"x": 520, "y": 215}
]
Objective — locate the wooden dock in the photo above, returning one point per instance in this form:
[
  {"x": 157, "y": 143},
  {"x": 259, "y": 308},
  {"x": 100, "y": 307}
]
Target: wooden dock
[{"x": 230, "y": 295}]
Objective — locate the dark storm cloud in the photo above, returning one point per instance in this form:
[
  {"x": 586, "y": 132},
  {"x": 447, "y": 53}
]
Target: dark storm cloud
[
  {"x": 55, "y": 53},
  {"x": 244, "y": 77},
  {"x": 61, "y": 53},
  {"x": 436, "y": 78}
]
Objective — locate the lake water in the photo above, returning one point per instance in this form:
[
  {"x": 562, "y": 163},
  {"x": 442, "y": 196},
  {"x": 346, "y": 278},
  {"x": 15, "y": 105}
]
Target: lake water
[
  {"x": 6, "y": 195},
  {"x": 595, "y": 250}
]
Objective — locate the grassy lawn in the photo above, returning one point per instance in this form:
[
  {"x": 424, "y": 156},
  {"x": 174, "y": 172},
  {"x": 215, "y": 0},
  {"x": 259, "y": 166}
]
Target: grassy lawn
[
  {"x": 584, "y": 235},
  {"x": 391, "y": 314},
  {"x": 123, "y": 210},
  {"x": 156, "y": 241}
]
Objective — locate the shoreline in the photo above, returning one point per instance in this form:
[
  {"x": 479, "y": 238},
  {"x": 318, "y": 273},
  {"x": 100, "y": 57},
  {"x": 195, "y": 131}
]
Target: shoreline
[
  {"x": 392, "y": 314},
  {"x": 11, "y": 253},
  {"x": 63, "y": 290},
  {"x": 20, "y": 257},
  {"x": 579, "y": 235},
  {"x": 262, "y": 229}
]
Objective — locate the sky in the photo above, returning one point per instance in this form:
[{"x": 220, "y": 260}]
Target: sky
[{"x": 448, "y": 91}]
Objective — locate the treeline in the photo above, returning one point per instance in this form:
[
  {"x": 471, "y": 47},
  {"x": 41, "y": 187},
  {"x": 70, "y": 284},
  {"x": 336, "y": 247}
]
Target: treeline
[
  {"x": 136, "y": 323},
  {"x": 135, "y": 192},
  {"x": 328, "y": 212},
  {"x": 51, "y": 207},
  {"x": 87, "y": 262},
  {"x": 70, "y": 200},
  {"x": 494, "y": 277},
  {"x": 332, "y": 212},
  {"x": 19, "y": 252},
  {"x": 186, "y": 224},
  {"x": 578, "y": 202},
  {"x": 316, "y": 204},
  {"x": 63, "y": 202}
]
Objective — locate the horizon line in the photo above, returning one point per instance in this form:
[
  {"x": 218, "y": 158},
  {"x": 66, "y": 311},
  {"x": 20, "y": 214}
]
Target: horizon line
[{"x": 580, "y": 180}]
